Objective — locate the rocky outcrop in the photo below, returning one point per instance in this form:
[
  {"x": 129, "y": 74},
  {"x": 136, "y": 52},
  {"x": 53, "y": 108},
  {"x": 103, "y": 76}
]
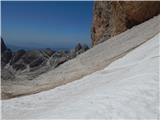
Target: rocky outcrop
[
  {"x": 62, "y": 56},
  {"x": 48, "y": 52},
  {"x": 31, "y": 55},
  {"x": 20, "y": 66},
  {"x": 32, "y": 63},
  {"x": 38, "y": 61},
  {"x": 17, "y": 56},
  {"x": 7, "y": 74},
  {"x": 3, "y": 46},
  {"x": 80, "y": 48},
  {"x": 6, "y": 54},
  {"x": 113, "y": 17}
]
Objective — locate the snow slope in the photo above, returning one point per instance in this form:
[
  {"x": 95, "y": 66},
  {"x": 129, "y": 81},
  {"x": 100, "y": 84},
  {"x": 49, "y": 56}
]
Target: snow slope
[
  {"x": 127, "y": 88},
  {"x": 96, "y": 58}
]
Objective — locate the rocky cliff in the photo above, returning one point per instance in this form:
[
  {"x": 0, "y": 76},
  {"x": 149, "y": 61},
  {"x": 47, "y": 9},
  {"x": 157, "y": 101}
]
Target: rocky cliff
[
  {"x": 111, "y": 17},
  {"x": 3, "y": 46}
]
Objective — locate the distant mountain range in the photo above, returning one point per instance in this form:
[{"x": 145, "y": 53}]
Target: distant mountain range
[{"x": 15, "y": 48}]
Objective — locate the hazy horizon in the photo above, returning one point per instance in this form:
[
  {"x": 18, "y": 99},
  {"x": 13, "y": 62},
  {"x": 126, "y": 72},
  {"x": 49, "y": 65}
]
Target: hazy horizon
[{"x": 50, "y": 24}]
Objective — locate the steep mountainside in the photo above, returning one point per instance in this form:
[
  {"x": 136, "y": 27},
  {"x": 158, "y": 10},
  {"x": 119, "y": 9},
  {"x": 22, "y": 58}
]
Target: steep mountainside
[
  {"x": 111, "y": 17},
  {"x": 126, "y": 89},
  {"x": 94, "y": 59}
]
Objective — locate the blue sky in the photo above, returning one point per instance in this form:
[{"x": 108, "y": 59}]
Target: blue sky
[{"x": 46, "y": 24}]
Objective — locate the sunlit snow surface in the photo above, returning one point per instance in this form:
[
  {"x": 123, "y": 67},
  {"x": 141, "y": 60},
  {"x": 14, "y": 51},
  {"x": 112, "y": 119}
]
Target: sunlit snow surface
[{"x": 127, "y": 88}]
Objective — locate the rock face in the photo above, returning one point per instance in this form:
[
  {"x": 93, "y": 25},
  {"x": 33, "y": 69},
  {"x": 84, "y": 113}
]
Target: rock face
[
  {"x": 48, "y": 52},
  {"x": 6, "y": 74},
  {"x": 113, "y": 17},
  {"x": 81, "y": 48},
  {"x": 17, "y": 56},
  {"x": 19, "y": 66},
  {"x": 3, "y": 46},
  {"x": 38, "y": 61},
  {"x": 6, "y": 54}
]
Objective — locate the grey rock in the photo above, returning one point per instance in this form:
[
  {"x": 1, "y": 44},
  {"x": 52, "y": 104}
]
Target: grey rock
[
  {"x": 6, "y": 74},
  {"x": 49, "y": 52},
  {"x": 72, "y": 53},
  {"x": 61, "y": 53},
  {"x": 31, "y": 55},
  {"x": 60, "y": 61},
  {"x": 17, "y": 56},
  {"x": 3, "y": 46},
  {"x": 37, "y": 62},
  {"x": 85, "y": 47},
  {"x": 2, "y": 64},
  {"x": 6, "y": 56},
  {"x": 19, "y": 66},
  {"x": 80, "y": 51},
  {"x": 78, "y": 47}
]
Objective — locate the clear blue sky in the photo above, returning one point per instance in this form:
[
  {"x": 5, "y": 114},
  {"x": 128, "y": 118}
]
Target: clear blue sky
[{"x": 46, "y": 24}]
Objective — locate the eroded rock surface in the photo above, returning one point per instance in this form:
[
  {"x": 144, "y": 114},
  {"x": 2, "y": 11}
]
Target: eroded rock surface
[{"x": 111, "y": 17}]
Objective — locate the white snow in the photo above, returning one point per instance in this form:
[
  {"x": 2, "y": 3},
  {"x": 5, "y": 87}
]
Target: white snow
[
  {"x": 126, "y": 89},
  {"x": 96, "y": 58}
]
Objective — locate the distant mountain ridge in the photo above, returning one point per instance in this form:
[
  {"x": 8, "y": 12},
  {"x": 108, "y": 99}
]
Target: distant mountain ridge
[{"x": 15, "y": 48}]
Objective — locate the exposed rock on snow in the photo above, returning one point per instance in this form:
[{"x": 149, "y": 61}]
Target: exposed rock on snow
[{"x": 126, "y": 89}]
